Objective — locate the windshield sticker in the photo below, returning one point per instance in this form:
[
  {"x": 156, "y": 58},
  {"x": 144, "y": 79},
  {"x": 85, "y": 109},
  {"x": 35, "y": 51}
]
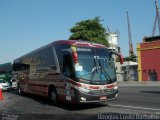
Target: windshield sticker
[
  {"x": 79, "y": 73},
  {"x": 78, "y": 68},
  {"x": 73, "y": 48}
]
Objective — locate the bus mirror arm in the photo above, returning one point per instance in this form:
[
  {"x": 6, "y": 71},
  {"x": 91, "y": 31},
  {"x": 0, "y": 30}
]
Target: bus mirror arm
[
  {"x": 54, "y": 67},
  {"x": 119, "y": 55}
]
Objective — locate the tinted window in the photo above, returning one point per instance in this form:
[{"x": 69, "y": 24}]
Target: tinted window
[
  {"x": 60, "y": 53},
  {"x": 20, "y": 66},
  {"x": 67, "y": 65},
  {"x": 46, "y": 58}
]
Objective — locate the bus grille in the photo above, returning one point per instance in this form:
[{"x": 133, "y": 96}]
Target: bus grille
[{"x": 102, "y": 92}]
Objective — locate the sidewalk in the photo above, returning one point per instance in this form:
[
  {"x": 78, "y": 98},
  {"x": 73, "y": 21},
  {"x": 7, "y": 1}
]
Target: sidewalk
[{"x": 137, "y": 83}]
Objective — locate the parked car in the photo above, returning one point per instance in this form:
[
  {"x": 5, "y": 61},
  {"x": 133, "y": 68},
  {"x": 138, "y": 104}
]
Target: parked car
[{"x": 5, "y": 85}]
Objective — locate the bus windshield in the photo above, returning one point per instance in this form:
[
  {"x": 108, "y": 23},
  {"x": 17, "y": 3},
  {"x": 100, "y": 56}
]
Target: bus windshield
[{"x": 95, "y": 65}]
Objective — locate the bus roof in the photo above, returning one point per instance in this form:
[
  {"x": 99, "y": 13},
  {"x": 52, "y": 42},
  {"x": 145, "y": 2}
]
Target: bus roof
[{"x": 80, "y": 43}]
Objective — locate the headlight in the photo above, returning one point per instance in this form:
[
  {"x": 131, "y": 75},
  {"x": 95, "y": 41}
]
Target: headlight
[
  {"x": 116, "y": 87},
  {"x": 83, "y": 99}
]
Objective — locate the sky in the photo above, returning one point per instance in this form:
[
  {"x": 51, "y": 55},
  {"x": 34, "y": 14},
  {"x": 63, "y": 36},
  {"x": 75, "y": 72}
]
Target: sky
[{"x": 28, "y": 24}]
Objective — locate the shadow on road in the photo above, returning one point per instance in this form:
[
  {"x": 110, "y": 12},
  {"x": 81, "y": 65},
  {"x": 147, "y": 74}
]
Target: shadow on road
[
  {"x": 78, "y": 107},
  {"x": 152, "y": 92},
  {"x": 62, "y": 105}
]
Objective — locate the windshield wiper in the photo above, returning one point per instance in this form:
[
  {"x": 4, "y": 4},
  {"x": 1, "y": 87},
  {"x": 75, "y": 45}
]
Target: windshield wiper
[
  {"x": 100, "y": 70},
  {"x": 93, "y": 70},
  {"x": 105, "y": 73}
]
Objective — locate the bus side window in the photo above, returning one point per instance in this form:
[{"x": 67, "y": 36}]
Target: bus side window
[
  {"x": 20, "y": 66},
  {"x": 67, "y": 65}
]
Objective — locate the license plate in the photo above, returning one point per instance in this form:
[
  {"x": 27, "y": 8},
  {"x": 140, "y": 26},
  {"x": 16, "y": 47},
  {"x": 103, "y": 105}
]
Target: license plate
[{"x": 103, "y": 98}]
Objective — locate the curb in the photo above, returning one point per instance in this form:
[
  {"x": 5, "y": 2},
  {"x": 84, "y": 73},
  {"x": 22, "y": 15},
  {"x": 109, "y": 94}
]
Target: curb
[{"x": 133, "y": 83}]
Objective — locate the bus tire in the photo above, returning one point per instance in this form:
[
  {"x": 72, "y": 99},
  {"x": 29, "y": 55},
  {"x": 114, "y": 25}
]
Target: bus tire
[{"x": 52, "y": 94}]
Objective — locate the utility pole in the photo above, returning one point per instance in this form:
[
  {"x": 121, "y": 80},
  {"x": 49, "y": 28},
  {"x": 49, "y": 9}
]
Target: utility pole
[
  {"x": 156, "y": 19},
  {"x": 131, "y": 51}
]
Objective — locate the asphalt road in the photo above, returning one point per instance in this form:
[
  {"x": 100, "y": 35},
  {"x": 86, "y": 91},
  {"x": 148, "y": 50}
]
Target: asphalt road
[
  {"x": 139, "y": 96},
  {"x": 132, "y": 100}
]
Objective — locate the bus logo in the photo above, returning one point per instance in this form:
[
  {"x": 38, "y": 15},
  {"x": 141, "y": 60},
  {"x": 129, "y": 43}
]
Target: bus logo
[{"x": 103, "y": 87}]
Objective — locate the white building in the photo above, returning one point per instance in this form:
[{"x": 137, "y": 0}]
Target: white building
[
  {"x": 113, "y": 40},
  {"x": 127, "y": 71}
]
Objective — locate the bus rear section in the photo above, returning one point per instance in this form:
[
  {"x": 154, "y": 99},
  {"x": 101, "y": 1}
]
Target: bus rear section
[{"x": 69, "y": 71}]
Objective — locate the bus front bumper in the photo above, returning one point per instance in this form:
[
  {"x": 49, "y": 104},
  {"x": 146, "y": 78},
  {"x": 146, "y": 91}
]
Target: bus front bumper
[{"x": 87, "y": 98}]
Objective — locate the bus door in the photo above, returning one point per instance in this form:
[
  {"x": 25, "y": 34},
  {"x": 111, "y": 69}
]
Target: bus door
[{"x": 68, "y": 72}]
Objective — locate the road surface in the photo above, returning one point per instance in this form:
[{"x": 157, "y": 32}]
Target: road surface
[{"x": 133, "y": 102}]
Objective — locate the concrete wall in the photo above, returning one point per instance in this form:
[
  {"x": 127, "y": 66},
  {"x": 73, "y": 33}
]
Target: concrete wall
[
  {"x": 125, "y": 73},
  {"x": 149, "y": 60}
]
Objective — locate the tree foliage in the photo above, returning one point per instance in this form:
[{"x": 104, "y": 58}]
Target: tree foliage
[
  {"x": 90, "y": 30},
  {"x": 131, "y": 58}
]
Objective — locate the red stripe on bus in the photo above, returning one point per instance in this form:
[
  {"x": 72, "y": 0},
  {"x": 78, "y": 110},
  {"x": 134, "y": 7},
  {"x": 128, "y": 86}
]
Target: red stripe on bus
[
  {"x": 110, "y": 86},
  {"x": 75, "y": 83}
]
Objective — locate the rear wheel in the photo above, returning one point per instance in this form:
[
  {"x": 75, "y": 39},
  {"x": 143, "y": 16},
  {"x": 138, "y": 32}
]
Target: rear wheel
[{"x": 53, "y": 96}]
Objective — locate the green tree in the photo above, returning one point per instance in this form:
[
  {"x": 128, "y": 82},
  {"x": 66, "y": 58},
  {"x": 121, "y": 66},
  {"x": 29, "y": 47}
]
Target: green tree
[
  {"x": 131, "y": 58},
  {"x": 90, "y": 30}
]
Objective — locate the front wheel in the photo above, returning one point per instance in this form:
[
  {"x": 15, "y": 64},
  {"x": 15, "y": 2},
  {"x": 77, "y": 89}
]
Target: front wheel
[{"x": 53, "y": 96}]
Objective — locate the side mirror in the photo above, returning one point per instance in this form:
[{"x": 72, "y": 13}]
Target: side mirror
[
  {"x": 119, "y": 55},
  {"x": 53, "y": 67},
  {"x": 121, "y": 59}
]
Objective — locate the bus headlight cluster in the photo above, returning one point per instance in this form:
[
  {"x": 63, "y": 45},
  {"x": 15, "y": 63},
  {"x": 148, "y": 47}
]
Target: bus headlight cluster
[
  {"x": 83, "y": 99},
  {"x": 116, "y": 87}
]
